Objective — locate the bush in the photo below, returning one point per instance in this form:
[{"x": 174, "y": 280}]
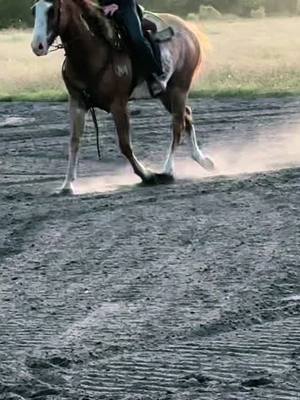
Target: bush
[
  {"x": 209, "y": 12},
  {"x": 193, "y": 17},
  {"x": 259, "y": 13},
  {"x": 247, "y": 6}
]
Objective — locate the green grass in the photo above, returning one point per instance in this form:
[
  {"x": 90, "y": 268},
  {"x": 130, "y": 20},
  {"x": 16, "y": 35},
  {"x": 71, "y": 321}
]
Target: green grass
[
  {"x": 247, "y": 93},
  {"x": 241, "y": 84},
  {"x": 39, "y": 96},
  {"x": 218, "y": 87},
  {"x": 215, "y": 85}
]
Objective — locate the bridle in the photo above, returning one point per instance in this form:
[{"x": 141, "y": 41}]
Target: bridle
[
  {"x": 56, "y": 28},
  {"x": 56, "y": 31}
]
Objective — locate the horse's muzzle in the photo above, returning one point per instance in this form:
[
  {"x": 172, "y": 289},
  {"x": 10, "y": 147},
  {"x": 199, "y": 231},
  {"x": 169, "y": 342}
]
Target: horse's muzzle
[{"x": 40, "y": 47}]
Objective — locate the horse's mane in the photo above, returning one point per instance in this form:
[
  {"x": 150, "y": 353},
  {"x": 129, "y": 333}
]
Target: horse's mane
[{"x": 95, "y": 19}]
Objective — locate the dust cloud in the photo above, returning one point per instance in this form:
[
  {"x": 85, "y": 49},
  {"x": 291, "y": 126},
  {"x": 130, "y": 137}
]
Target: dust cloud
[
  {"x": 262, "y": 154},
  {"x": 265, "y": 153}
]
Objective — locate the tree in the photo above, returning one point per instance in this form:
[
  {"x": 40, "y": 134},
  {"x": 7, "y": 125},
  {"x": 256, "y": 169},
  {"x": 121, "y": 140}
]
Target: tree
[{"x": 15, "y": 13}]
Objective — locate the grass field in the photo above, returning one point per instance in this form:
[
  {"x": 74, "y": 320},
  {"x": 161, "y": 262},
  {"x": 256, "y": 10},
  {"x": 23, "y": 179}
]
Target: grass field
[
  {"x": 252, "y": 57},
  {"x": 245, "y": 57}
]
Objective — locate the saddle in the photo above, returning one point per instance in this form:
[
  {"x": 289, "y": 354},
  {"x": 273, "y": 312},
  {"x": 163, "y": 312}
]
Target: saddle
[
  {"x": 151, "y": 34},
  {"x": 150, "y": 30},
  {"x": 120, "y": 40}
]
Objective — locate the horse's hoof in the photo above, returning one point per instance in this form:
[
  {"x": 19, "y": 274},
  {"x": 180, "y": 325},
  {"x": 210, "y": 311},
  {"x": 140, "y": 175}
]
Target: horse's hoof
[
  {"x": 208, "y": 164},
  {"x": 158, "y": 179},
  {"x": 164, "y": 178},
  {"x": 65, "y": 191}
]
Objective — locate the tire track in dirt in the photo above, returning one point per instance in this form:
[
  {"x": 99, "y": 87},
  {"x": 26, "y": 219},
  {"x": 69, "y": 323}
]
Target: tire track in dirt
[
  {"x": 204, "y": 368},
  {"x": 181, "y": 292}
]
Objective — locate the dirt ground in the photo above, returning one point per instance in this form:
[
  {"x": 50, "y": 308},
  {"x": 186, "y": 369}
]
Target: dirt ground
[{"x": 179, "y": 292}]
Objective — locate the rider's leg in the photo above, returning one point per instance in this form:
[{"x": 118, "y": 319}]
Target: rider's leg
[{"x": 141, "y": 47}]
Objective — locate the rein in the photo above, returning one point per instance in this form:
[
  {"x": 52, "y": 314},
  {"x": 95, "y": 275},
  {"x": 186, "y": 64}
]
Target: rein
[
  {"x": 56, "y": 47},
  {"x": 84, "y": 92}
]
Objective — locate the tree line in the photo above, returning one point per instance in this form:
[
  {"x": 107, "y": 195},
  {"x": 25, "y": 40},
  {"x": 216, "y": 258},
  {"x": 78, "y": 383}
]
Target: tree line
[
  {"x": 17, "y": 12},
  {"x": 239, "y": 7}
]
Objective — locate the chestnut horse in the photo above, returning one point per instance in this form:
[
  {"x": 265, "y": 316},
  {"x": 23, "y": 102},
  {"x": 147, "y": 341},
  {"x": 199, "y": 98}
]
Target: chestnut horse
[{"x": 98, "y": 74}]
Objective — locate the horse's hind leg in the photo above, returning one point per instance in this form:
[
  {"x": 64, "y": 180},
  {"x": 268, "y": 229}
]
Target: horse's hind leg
[
  {"x": 197, "y": 153},
  {"x": 175, "y": 102}
]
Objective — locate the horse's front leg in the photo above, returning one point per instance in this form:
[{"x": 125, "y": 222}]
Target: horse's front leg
[
  {"x": 121, "y": 118},
  {"x": 77, "y": 122}
]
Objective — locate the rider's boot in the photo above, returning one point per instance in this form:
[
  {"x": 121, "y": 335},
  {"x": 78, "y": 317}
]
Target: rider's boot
[{"x": 157, "y": 84}]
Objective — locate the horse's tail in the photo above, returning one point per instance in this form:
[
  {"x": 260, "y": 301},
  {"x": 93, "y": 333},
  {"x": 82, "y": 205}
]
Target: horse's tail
[{"x": 202, "y": 42}]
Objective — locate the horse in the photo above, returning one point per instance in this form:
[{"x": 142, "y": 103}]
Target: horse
[{"x": 97, "y": 73}]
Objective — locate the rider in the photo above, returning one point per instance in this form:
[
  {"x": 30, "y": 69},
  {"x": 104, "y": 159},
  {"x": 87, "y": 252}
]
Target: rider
[{"x": 127, "y": 14}]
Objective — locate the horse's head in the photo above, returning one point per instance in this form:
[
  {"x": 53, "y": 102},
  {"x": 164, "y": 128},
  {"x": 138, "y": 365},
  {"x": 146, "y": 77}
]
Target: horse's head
[{"x": 46, "y": 25}]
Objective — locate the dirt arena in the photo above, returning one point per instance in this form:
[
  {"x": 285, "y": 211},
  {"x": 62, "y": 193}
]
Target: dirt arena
[{"x": 189, "y": 291}]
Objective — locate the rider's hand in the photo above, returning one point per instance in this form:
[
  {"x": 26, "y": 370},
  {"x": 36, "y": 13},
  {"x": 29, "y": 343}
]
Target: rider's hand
[{"x": 110, "y": 10}]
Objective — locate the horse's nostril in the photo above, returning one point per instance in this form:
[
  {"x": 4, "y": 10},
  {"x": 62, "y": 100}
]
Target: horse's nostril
[{"x": 41, "y": 46}]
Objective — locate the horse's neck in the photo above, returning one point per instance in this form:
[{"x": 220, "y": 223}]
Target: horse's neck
[{"x": 80, "y": 45}]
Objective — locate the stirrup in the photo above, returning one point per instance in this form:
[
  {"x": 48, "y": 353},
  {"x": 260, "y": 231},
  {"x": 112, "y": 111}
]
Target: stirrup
[
  {"x": 157, "y": 85},
  {"x": 165, "y": 35}
]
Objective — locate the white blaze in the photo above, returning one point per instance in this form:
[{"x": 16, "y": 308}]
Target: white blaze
[{"x": 40, "y": 33}]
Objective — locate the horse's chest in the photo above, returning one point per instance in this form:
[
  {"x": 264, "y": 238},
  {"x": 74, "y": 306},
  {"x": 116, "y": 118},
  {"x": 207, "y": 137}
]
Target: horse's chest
[{"x": 85, "y": 88}]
